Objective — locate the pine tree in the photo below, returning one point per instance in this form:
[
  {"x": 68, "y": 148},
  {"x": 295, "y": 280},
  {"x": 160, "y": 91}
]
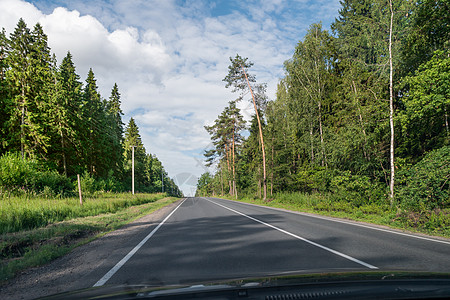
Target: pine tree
[
  {"x": 226, "y": 137},
  {"x": 239, "y": 80}
]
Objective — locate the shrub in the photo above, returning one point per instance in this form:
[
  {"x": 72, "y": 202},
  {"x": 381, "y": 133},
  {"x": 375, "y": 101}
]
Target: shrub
[
  {"x": 356, "y": 189},
  {"x": 16, "y": 173},
  {"x": 426, "y": 185},
  {"x": 24, "y": 177}
]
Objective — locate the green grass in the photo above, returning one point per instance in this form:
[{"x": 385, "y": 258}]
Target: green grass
[
  {"x": 435, "y": 222},
  {"x": 35, "y": 247},
  {"x": 17, "y": 213}
]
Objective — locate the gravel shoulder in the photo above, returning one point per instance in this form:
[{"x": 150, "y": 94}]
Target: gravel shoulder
[{"x": 86, "y": 264}]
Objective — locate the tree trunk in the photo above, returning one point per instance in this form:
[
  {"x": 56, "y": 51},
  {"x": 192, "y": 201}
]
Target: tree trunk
[
  {"x": 312, "y": 141},
  {"x": 234, "y": 168},
  {"x": 391, "y": 108},
  {"x": 230, "y": 191},
  {"x": 446, "y": 120},
  {"x": 272, "y": 166},
  {"x": 22, "y": 124},
  {"x": 260, "y": 135},
  {"x": 322, "y": 143},
  {"x": 221, "y": 180},
  {"x": 360, "y": 119},
  {"x": 63, "y": 150}
]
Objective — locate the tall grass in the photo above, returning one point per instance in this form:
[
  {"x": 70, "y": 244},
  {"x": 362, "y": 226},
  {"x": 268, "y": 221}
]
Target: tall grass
[{"x": 18, "y": 213}]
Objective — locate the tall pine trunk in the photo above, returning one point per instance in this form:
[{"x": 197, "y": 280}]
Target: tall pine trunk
[
  {"x": 234, "y": 167},
  {"x": 261, "y": 137}
]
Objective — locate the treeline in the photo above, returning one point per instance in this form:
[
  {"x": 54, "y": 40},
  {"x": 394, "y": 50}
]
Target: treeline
[
  {"x": 361, "y": 114},
  {"x": 60, "y": 127}
]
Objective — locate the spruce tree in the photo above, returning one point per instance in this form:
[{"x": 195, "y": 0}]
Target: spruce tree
[
  {"x": 116, "y": 137},
  {"x": 133, "y": 139}
]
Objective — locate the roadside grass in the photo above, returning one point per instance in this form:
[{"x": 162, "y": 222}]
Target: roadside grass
[
  {"x": 35, "y": 247},
  {"x": 434, "y": 222},
  {"x": 18, "y": 213}
]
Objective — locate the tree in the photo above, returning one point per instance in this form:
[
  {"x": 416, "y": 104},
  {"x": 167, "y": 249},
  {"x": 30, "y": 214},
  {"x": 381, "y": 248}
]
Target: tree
[
  {"x": 66, "y": 117},
  {"x": 238, "y": 79},
  {"x": 226, "y": 137},
  {"x": 425, "y": 117},
  {"x": 427, "y": 32},
  {"x": 133, "y": 139},
  {"x": 204, "y": 185},
  {"x": 309, "y": 69},
  {"x": 115, "y": 123},
  {"x": 4, "y": 92},
  {"x": 97, "y": 132},
  {"x": 20, "y": 77}
]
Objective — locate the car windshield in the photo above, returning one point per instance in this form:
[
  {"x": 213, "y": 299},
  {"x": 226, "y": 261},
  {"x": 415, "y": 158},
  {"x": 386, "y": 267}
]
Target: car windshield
[{"x": 160, "y": 143}]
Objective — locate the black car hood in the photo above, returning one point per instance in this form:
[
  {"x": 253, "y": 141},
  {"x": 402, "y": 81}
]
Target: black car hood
[{"x": 318, "y": 285}]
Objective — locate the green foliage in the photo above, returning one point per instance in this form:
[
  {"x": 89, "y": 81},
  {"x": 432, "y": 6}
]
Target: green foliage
[
  {"x": 204, "y": 185},
  {"x": 427, "y": 105},
  {"x": 426, "y": 185},
  {"x": 21, "y": 176}
]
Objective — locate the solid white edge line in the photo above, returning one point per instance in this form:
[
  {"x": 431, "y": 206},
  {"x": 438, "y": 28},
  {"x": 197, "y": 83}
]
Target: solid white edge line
[
  {"x": 344, "y": 222},
  {"x": 298, "y": 237},
  {"x": 116, "y": 268}
]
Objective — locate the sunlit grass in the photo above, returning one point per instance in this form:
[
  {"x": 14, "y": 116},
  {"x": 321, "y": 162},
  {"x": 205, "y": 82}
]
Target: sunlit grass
[
  {"x": 18, "y": 213},
  {"x": 38, "y": 246}
]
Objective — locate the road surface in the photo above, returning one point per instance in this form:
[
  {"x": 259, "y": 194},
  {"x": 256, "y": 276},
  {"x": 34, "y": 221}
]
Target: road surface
[
  {"x": 202, "y": 239},
  {"x": 208, "y": 238}
]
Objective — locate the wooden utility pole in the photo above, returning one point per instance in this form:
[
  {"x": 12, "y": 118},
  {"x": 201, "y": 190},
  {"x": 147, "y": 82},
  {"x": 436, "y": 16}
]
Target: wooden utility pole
[
  {"x": 79, "y": 189},
  {"x": 132, "y": 169},
  {"x": 260, "y": 135}
]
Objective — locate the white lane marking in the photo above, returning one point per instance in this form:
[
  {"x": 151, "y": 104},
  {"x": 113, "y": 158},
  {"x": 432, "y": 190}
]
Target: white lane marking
[
  {"x": 346, "y": 222},
  {"x": 116, "y": 268},
  {"x": 298, "y": 237}
]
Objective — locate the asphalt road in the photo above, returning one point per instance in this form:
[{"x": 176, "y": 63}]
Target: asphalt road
[{"x": 212, "y": 239}]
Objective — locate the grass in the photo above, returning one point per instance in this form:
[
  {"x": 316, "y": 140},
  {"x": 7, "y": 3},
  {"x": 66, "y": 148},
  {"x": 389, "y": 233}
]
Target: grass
[
  {"x": 34, "y": 247},
  {"x": 434, "y": 222},
  {"x": 17, "y": 213}
]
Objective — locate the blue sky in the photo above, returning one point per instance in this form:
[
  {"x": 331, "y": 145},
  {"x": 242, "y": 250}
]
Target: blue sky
[{"x": 169, "y": 58}]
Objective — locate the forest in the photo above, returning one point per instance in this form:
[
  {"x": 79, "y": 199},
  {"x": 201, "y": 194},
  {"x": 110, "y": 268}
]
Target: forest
[
  {"x": 53, "y": 127},
  {"x": 360, "y": 117}
]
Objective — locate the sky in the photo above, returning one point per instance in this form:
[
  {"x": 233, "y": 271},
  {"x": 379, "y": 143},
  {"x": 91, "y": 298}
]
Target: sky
[{"x": 168, "y": 58}]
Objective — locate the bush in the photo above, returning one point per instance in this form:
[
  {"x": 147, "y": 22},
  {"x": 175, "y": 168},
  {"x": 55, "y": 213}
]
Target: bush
[
  {"x": 426, "y": 185},
  {"x": 356, "y": 189},
  {"x": 21, "y": 176},
  {"x": 16, "y": 173}
]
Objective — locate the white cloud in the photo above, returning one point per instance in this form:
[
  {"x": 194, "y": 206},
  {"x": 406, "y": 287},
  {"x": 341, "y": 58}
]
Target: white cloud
[{"x": 12, "y": 10}]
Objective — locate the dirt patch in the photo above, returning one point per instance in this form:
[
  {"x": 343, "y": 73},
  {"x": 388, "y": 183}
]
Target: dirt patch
[{"x": 84, "y": 265}]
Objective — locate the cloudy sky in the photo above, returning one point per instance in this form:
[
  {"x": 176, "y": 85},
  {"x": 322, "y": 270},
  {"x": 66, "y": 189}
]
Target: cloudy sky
[{"x": 169, "y": 57}]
